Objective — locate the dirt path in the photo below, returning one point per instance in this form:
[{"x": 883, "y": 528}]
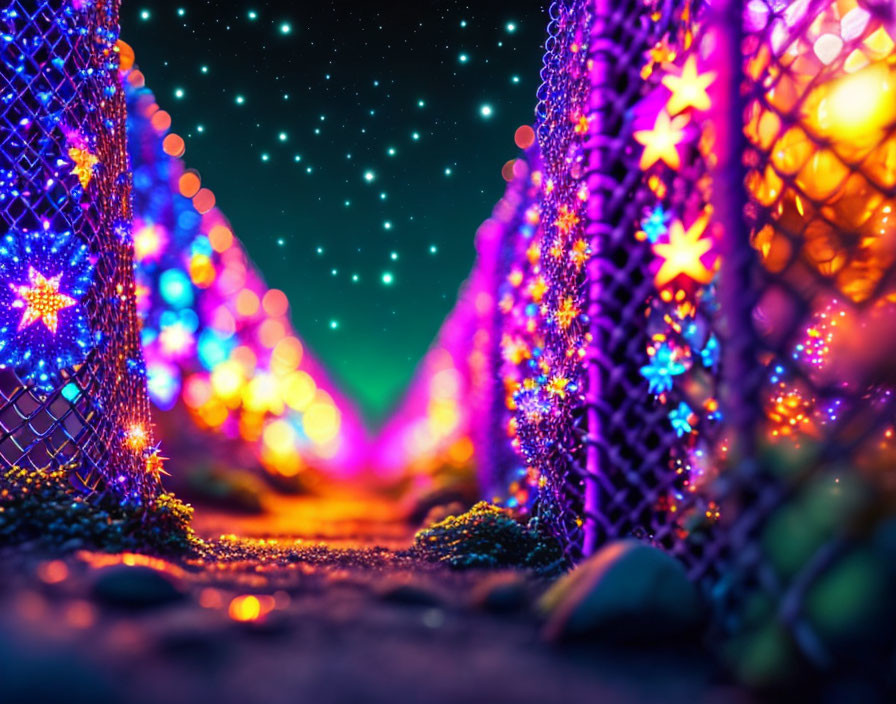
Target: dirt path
[{"x": 349, "y": 619}]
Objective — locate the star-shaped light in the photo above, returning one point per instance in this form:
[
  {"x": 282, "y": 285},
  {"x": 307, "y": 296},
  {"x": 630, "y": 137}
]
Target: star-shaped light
[
  {"x": 663, "y": 366},
  {"x": 680, "y": 419},
  {"x": 661, "y": 143},
  {"x": 682, "y": 254},
  {"x": 41, "y": 300},
  {"x": 655, "y": 224},
  {"x": 688, "y": 89},
  {"x": 84, "y": 164}
]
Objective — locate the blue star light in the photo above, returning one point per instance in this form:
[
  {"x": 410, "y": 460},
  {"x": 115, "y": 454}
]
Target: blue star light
[
  {"x": 661, "y": 369},
  {"x": 679, "y": 419},
  {"x": 654, "y": 225}
]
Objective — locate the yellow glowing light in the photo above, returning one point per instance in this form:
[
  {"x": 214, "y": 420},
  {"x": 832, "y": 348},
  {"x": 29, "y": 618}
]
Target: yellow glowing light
[
  {"x": 688, "y": 89},
  {"x": 148, "y": 241},
  {"x": 297, "y": 390},
  {"x": 661, "y": 143},
  {"x": 567, "y": 312},
  {"x": 41, "y": 300},
  {"x": 682, "y": 254},
  {"x": 321, "y": 422},
  {"x": 861, "y": 103},
  {"x": 262, "y": 394},
  {"x": 280, "y": 437},
  {"x": 202, "y": 271},
  {"x": 246, "y": 608},
  {"x": 227, "y": 379},
  {"x": 84, "y": 164}
]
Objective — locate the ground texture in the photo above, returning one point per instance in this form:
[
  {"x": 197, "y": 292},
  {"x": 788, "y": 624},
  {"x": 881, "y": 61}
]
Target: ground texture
[{"x": 308, "y": 604}]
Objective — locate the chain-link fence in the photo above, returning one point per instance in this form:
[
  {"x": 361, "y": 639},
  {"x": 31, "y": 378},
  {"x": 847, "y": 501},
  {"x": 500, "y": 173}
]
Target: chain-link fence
[{"x": 73, "y": 387}]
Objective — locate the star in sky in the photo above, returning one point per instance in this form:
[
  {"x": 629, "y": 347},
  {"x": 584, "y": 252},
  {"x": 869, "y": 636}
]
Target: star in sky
[
  {"x": 688, "y": 89},
  {"x": 661, "y": 142},
  {"x": 41, "y": 300},
  {"x": 683, "y": 253}
]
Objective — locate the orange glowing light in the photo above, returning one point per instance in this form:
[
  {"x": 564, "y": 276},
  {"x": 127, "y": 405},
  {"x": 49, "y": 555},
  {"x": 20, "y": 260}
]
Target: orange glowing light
[
  {"x": 188, "y": 184},
  {"x": 136, "y": 438},
  {"x": 84, "y": 163},
  {"x": 173, "y": 145},
  {"x": 247, "y": 303},
  {"x": 204, "y": 200},
  {"x": 275, "y": 303},
  {"x": 160, "y": 121},
  {"x": 248, "y": 607},
  {"x": 41, "y": 300},
  {"x": 661, "y": 142},
  {"x": 221, "y": 238},
  {"x": 524, "y": 137}
]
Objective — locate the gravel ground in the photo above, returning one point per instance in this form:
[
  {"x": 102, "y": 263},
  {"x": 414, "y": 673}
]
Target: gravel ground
[{"x": 337, "y": 612}]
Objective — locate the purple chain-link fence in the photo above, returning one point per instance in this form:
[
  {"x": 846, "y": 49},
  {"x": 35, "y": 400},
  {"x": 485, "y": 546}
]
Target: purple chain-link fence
[
  {"x": 73, "y": 389},
  {"x": 718, "y": 379}
]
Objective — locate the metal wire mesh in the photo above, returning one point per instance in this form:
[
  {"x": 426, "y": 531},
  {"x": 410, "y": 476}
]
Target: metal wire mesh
[
  {"x": 820, "y": 118},
  {"x": 64, "y": 166},
  {"x": 605, "y": 463}
]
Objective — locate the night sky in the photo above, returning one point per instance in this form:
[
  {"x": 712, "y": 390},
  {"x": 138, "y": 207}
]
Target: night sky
[{"x": 355, "y": 147}]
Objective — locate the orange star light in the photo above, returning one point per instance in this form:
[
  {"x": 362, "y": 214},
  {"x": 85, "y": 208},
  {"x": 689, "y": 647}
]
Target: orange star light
[
  {"x": 42, "y": 300},
  {"x": 84, "y": 164},
  {"x": 688, "y": 89},
  {"x": 682, "y": 254},
  {"x": 661, "y": 143}
]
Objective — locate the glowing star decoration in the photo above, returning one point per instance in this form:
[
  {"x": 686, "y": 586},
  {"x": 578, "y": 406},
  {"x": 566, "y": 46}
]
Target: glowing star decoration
[
  {"x": 84, "y": 163},
  {"x": 663, "y": 366},
  {"x": 680, "y": 419},
  {"x": 655, "y": 224},
  {"x": 41, "y": 300},
  {"x": 683, "y": 253},
  {"x": 661, "y": 142},
  {"x": 688, "y": 89},
  {"x": 43, "y": 324}
]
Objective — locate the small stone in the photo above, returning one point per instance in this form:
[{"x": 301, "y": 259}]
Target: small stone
[
  {"x": 626, "y": 592},
  {"x": 504, "y": 592},
  {"x": 410, "y": 593},
  {"x": 134, "y": 588}
]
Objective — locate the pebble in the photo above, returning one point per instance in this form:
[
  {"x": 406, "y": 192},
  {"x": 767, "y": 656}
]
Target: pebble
[
  {"x": 626, "y": 592},
  {"x": 504, "y": 592},
  {"x": 410, "y": 593},
  {"x": 134, "y": 588}
]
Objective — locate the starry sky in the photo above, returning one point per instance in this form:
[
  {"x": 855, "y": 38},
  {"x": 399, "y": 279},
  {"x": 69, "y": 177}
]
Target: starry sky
[{"x": 355, "y": 147}]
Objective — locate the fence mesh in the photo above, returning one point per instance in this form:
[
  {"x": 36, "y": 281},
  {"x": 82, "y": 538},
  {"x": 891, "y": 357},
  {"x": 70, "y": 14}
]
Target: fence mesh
[{"x": 73, "y": 389}]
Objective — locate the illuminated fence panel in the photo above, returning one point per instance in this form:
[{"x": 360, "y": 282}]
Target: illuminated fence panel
[
  {"x": 753, "y": 269},
  {"x": 810, "y": 510},
  {"x": 595, "y": 443},
  {"x": 221, "y": 351},
  {"x": 73, "y": 389}
]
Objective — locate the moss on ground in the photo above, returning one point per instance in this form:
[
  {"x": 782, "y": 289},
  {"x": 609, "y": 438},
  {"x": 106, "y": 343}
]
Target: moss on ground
[
  {"x": 44, "y": 509},
  {"x": 488, "y": 536}
]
